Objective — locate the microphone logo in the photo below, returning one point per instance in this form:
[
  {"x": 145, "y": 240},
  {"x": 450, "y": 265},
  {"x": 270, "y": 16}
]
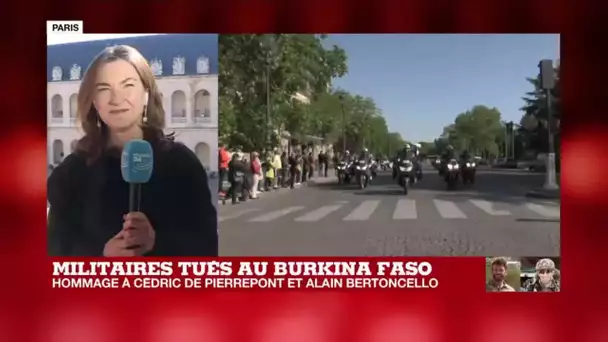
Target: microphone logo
[
  {"x": 137, "y": 162},
  {"x": 142, "y": 161}
]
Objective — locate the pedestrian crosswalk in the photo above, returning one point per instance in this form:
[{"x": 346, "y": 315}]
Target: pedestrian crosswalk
[
  {"x": 401, "y": 209},
  {"x": 405, "y": 209},
  {"x": 363, "y": 212}
]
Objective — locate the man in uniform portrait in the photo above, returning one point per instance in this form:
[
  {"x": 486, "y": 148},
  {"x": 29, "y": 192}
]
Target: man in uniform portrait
[
  {"x": 499, "y": 274},
  {"x": 547, "y": 278}
]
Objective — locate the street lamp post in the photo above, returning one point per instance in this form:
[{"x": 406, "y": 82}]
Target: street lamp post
[{"x": 547, "y": 78}]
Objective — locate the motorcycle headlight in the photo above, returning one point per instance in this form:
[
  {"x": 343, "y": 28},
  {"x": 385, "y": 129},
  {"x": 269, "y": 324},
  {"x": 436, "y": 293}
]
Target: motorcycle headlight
[{"x": 450, "y": 166}]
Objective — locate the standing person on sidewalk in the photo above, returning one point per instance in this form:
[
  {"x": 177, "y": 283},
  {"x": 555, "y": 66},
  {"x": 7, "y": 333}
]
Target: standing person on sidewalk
[
  {"x": 325, "y": 165},
  {"x": 311, "y": 165},
  {"x": 256, "y": 169},
  {"x": 284, "y": 169},
  {"x": 223, "y": 159},
  {"x": 319, "y": 161},
  {"x": 270, "y": 172},
  {"x": 304, "y": 163},
  {"x": 262, "y": 182},
  {"x": 298, "y": 169},
  {"x": 237, "y": 171},
  {"x": 293, "y": 169},
  {"x": 277, "y": 165}
]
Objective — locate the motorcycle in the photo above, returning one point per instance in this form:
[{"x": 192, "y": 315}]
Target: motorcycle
[
  {"x": 373, "y": 167},
  {"x": 395, "y": 168},
  {"x": 452, "y": 173},
  {"x": 385, "y": 165},
  {"x": 343, "y": 172},
  {"x": 418, "y": 170},
  {"x": 439, "y": 166},
  {"x": 406, "y": 175},
  {"x": 468, "y": 172},
  {"x": 362, "y": 174}
]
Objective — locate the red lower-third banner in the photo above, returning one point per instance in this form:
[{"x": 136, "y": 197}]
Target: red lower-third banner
[
  {"x": 265, "y": 274},
  {"x": 280, "y": 299}
]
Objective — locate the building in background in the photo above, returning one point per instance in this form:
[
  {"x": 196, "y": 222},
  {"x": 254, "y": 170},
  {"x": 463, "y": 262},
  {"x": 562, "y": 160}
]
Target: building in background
[{"x": 186, "y": 68}]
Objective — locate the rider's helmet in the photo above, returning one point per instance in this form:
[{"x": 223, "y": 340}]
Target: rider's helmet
[
  {"x": 347, "y": 152},
  {"x": 450, "y": 147},
  {"x": 365, "y": 150},
  {"x": 407, "y": 147}
]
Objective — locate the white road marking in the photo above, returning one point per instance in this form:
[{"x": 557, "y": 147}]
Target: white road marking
[
  {"x": 488, "y": 207},
  {"x": 237, "y": 215},
  {"x": 543, "y": 210},
  {"x": 363, "y": 211},
  {"x": 318, "y": 214},
  {"x": 273, "y": 215},
  {"x": 405, "y": 210},
  {"x": 448, "y": 210}
]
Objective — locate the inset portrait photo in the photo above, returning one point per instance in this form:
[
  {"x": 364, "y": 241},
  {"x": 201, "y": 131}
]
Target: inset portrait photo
[
  {"x": 503, "y": 274},
  {"x": 540, "y": 274}
]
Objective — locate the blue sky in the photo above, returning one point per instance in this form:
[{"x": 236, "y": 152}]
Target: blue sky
[{"x": 421, "y": 82}]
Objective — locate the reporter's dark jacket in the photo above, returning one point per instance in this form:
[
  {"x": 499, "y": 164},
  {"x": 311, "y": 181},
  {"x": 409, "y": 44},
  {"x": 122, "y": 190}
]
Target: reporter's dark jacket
[{"x": 87, "y": 204}]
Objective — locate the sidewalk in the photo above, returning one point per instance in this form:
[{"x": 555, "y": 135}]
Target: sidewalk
[
  {"x": 264, "y": 194},
  {"x": 540, "y": 192},
  {"x": 314, "y": 180}
]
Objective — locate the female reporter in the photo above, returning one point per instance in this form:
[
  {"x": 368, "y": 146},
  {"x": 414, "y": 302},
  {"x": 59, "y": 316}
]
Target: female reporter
[{"x": 119, "y": 101}]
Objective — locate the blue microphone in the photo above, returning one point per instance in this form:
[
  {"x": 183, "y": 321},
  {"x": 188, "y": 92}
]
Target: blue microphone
[{"x": 136, "y": 165}]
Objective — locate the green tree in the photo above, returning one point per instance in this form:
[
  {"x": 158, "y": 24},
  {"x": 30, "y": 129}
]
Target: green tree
[
  {"x": 477, "y": 130},
  {"x": 284, "y": 64},
  {"x": 428, "y": 148},
  {"x": 535, "y": 106},
  {"x": 395, "y": 143}
]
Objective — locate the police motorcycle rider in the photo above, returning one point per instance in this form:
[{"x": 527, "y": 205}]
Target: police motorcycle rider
[
  {"x": 416, "y": 161},
  {"x": 373, "y": 165},
  {"x": 450, "y": 167},
  {"x": 406, "y": 154},
  {"x": 344, "y": 169},
  {"x": 447, "y": 155},
  {"x": 467, "y": 167},
  {"x": 362, "y": 167}
]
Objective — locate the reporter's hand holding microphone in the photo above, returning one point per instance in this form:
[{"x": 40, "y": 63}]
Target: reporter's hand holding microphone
[{"x": 137, "y": 236}]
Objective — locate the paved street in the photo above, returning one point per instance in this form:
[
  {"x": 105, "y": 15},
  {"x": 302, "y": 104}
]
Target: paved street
[{"x": 491, "y": 217}]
